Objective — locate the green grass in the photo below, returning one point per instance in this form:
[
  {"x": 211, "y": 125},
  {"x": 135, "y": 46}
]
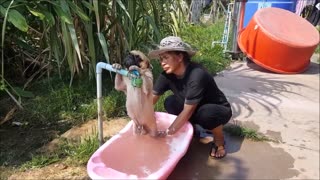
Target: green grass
[
  {"x": 39, "y": 161},
  {"x": 58, "y": 102},
  {"x": 72, "y": 152},
  {"x": 244, "y": 132},
  {"x": 78, "y": 153},
  {"x": 114, "y": 104},
  {"x": 76, "y": 104}
]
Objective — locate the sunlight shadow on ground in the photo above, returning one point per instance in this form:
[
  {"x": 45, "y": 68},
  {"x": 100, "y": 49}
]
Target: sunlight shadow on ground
[{"x": 244, "y": 86}]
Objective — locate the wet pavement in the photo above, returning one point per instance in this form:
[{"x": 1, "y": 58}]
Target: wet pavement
[{"x": 283, "y": 107}]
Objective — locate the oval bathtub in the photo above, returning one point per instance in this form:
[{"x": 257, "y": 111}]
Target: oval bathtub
[
  {"x": 128, "y": 156},
  {"x": 279, "y": 40}
]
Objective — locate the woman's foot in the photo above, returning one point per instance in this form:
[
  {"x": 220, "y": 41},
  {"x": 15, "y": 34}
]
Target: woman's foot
[{"x": 217, "y": 152}]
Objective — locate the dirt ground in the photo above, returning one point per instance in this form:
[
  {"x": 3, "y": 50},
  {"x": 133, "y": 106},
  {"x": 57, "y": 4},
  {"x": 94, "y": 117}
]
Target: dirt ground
[{"x": 53, "y": 171}]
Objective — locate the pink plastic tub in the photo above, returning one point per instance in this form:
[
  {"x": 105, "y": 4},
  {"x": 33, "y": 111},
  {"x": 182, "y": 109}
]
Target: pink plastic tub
[{"x": 128, "y": 156}]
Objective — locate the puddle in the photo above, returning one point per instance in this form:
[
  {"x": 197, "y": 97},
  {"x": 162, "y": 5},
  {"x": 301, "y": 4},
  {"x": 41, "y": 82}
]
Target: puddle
[{"x": 245, "y": 160}]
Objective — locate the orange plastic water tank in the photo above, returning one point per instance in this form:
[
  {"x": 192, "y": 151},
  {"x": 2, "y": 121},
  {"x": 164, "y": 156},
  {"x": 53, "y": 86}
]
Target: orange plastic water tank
[{"x": 279, "y": 40}]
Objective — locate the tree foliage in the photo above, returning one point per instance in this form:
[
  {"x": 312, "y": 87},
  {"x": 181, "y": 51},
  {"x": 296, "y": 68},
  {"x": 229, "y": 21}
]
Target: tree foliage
[{"x": 68, "y": 37}]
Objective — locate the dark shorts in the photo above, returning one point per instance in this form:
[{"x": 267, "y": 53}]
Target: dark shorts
[{"x": 209, "y": 116}]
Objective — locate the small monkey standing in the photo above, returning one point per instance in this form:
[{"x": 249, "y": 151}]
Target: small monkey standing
[{"x": 139, "y": 102}]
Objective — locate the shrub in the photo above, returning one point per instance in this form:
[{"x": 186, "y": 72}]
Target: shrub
[{"x": 114, "y": 104}]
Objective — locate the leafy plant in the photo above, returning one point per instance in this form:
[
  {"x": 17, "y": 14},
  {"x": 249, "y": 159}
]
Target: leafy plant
[
  {"x": 10, "y": 16},
  {"x": 240, "y": 131},
  {"x": 200, "y": 37},
  {"x": 68, "y": 38}
]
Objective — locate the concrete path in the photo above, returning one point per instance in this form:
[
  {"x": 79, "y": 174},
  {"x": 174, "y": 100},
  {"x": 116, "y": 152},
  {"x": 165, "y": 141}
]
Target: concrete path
[{"x": 283, "y": 107}]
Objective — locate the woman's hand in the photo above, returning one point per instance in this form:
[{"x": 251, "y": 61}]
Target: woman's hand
[
  {"x": 170, "y": 131},
  {"x": 166, "y": 132}
]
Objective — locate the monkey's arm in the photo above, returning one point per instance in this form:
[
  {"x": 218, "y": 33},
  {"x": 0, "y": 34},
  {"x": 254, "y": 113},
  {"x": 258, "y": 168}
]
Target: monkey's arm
[
  {"x": 147, "y": 79},
  {"x": 119, "y": 84}
]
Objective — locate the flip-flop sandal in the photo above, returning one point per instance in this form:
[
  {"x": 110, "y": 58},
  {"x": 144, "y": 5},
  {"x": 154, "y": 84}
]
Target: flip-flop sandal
[{"x": 215, "y": 148}]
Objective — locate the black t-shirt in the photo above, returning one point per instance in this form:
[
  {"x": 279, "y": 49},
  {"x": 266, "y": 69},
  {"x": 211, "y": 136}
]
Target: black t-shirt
[{"x": 196, "y": 86}]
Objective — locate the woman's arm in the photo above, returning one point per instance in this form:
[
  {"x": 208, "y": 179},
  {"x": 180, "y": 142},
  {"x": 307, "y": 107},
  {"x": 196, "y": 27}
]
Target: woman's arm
[{"x": 182, "y": 118}]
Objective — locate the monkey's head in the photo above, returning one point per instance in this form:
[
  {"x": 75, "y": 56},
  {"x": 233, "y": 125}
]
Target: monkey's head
[{"x": 136, "y": 58}]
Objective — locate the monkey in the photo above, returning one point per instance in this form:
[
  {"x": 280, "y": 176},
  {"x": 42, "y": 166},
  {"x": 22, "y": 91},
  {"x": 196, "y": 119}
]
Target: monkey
[{"x": 139, "y": 103}]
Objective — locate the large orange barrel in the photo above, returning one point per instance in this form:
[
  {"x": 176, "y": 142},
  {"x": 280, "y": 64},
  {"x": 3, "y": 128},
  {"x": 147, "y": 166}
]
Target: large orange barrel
[{"x": 279, "y": 40}]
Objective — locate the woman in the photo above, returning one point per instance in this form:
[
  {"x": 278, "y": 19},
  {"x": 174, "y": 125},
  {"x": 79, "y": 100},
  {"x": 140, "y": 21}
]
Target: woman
[{"x": 196, "y": 97}]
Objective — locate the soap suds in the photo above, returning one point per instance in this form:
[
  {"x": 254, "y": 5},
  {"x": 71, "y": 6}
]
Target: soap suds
[{"x": 145, "y": 170}]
